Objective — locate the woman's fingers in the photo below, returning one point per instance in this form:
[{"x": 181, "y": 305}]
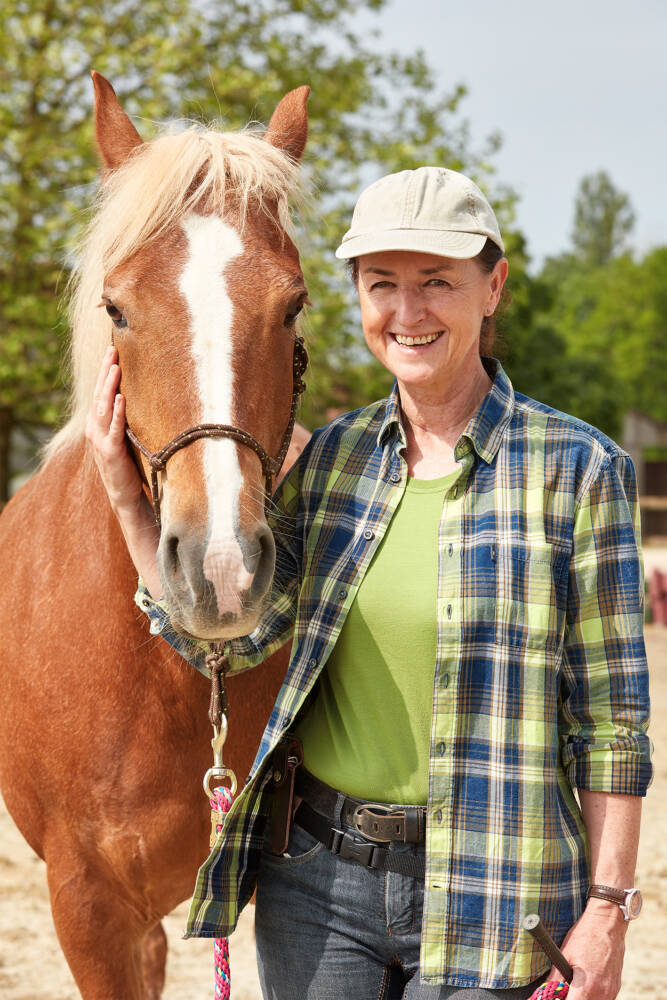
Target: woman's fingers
[
  {"x": 117, "y": 426},
  {"x": 105, "y": 402},
  {"x": 110, "y": 356},
  {"x": 105, "y": 430},
  {"x": 107, "y": 410}
]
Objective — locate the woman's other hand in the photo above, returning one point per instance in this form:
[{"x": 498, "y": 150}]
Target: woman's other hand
[{"x": 595, "y": 947}]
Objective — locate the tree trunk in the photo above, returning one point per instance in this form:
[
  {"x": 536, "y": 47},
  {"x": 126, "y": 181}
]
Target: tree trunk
[{"x": 6, "y": 424}]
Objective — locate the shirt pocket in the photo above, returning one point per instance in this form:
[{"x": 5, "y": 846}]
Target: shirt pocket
[{"x": 531, "y": 594}]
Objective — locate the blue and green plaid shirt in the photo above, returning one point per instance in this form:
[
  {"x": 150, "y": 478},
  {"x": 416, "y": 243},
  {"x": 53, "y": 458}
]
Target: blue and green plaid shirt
[{"x": 541, "y": 682}]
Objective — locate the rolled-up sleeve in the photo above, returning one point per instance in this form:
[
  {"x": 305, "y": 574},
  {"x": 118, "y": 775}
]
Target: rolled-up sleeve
[
  {"x": 277, "y": 624},
  {"x": 605, "y": 701}
]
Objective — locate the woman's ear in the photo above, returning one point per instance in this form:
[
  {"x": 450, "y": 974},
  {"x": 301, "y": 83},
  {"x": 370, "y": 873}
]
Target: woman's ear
[{"x": 498, "y": 279}]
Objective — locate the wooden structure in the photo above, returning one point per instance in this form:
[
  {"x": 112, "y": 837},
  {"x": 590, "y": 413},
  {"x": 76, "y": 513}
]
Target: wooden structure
[{"x": 639, "y": 434}]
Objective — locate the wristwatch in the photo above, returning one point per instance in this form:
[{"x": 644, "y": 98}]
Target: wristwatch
[{"x": 629, "y": 900}]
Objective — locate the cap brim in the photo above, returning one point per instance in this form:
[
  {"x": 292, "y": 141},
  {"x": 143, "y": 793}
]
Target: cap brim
[{"x": 447, "y": 243}]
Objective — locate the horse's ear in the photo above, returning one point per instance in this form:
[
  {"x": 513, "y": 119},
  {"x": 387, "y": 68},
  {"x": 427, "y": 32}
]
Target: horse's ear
[
  {"x": 288, "y": 128},
  {"x": 116, "y": 135}
]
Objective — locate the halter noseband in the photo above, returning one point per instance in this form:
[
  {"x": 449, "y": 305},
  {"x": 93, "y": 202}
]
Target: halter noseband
[{"x": 270, "y": 466}]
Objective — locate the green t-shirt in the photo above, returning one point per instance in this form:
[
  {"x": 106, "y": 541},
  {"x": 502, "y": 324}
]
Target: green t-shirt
[{"x": 367, "y": 729}]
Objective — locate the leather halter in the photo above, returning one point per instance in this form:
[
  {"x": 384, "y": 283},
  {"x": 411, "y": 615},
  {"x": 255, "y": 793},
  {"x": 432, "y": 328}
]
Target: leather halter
[{"x": 270, "y": 466}]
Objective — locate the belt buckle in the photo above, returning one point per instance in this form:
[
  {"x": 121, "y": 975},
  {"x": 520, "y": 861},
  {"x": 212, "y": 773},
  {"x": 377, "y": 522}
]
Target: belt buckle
[
  {"x": 345, "y": 846},
  {"x": 377, "y": 808}
]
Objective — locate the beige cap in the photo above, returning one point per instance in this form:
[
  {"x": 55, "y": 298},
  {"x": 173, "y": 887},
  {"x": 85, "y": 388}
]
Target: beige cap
[{"x": 431, "y": 210}]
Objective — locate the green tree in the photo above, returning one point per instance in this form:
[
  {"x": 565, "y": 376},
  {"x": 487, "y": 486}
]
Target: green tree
[
  {"x": 611, "y": 325},
  {"x": 603, "y": 220},
  {"x": 569, "y": 336},
  {"x": 371, "y": 112}
]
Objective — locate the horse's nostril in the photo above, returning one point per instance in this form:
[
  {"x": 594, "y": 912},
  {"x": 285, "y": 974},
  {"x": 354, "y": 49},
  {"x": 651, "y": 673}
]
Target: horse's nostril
[
  {"x": 171, "y": 552},
  {"x": 267, "y": 545},
  {"x": 264, "y": 563}
]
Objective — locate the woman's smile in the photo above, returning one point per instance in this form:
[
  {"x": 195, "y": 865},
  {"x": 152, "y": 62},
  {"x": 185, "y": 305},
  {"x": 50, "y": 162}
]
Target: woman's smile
[{"x": 416, "y": 340}]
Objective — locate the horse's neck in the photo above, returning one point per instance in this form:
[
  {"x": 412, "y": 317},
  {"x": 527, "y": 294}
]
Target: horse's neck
[{"x": 70, "y": 483}]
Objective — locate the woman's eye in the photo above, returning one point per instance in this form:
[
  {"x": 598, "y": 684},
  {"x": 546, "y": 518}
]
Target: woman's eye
[
  {"x": 116, "y": 315},
  {"x": 380, "y": 284},
  {"x": 290, "y": 318}
]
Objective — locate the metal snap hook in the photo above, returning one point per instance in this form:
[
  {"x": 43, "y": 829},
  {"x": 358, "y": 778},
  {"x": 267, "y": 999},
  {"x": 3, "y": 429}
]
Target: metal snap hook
[
  {"x": 219, "y": 773},
  {"x": 218, "y": 741}
]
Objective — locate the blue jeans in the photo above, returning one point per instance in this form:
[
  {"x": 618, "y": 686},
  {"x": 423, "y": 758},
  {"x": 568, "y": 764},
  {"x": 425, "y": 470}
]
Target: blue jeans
[{"x": 329, "y": 929}]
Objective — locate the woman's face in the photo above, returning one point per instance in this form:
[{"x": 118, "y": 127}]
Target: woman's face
[{"x": 421, "y": 314}]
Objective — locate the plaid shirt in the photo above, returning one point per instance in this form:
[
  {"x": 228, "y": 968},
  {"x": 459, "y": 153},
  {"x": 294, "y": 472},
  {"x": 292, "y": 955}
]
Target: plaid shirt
[{"x": 541, "y": 682}]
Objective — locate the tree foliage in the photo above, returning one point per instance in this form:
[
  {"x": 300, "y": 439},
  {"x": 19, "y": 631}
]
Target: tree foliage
[
  {"x": 590, "y": 333},
  {"x": 603, "y": 220},
  {"x": 371, "y": 112},
  {"x": 613, "y": 322}
]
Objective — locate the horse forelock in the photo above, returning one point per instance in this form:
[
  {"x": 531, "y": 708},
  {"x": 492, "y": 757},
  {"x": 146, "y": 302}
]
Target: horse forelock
[{"x": 159, "y": 187}]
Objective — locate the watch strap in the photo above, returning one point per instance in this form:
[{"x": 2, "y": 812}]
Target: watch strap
[{"x": 607, "y": 892}]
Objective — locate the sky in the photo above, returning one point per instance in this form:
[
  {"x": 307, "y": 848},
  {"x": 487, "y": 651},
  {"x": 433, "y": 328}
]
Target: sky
[{"x": 573, "y": 87}]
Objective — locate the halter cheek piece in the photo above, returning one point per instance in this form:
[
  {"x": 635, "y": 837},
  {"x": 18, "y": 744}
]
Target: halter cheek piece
[{"x": 270, "y": 466}]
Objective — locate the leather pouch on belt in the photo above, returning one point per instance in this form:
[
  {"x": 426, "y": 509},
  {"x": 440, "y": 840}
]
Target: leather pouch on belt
[{"x": 287, "y": 757}]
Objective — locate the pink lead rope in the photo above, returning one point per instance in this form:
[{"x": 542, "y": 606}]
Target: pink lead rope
[
  {"x": 220, "y": 805},
  {"x": 551, "y": 991},
  {"x": 219, "y": 797}
]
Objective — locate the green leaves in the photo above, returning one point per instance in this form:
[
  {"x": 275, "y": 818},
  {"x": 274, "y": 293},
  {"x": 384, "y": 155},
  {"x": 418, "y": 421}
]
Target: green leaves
[
  {"x": 603, "y": 220},
  {"x": 589, "y": 334}
]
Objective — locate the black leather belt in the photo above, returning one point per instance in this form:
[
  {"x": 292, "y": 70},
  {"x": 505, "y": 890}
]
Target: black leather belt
[{"x": 321, "y": 814}]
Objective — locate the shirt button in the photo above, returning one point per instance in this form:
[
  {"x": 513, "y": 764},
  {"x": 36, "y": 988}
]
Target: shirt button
[
  {"x": 449, "y": 611},
  {"x": 395, "y": 477},
  {"x": 450, "y": 550},
  {"x": 368, "y": 534},
  {"x": 441, "y": 748},
  {"x": 342, "y": 594},
  {"x": 438, "y": 816},
  {"x": 312, "y": 663},
  {"x": 445, "y": 680},
  {"x": 145, "y": 603}
]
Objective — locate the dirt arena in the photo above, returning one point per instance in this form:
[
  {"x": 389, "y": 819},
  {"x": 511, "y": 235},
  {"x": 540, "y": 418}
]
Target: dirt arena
[{"x": 32, "y": 966}]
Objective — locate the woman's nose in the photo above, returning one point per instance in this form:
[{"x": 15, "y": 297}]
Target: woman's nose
[{"x": 409, "y": 308}]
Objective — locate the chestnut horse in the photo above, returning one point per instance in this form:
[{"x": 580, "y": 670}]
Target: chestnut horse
[{"x": 104, "y": 735}]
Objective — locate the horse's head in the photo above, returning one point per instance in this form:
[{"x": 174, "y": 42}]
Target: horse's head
[{"x": 203, "y": 286}]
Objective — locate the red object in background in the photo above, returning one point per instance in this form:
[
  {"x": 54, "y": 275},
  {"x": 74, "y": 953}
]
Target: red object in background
[{"x": 657, "y": 595}]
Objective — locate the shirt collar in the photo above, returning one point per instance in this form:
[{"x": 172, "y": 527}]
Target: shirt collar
[
  {"x": 392, "y": 417},
  {"x": 485, "y": 428}
]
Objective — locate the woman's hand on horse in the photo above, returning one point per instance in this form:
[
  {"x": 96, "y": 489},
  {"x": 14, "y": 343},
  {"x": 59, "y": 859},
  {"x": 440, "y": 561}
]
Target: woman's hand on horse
[{"x": 105, "y": 431}]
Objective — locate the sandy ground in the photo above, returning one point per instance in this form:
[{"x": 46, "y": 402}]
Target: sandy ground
[{"x": 32, "y": 966}]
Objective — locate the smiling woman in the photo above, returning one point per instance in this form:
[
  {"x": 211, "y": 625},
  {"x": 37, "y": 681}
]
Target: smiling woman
[
  {"x": 457, "y": 568},
  {"x": 422, "y": 317}
]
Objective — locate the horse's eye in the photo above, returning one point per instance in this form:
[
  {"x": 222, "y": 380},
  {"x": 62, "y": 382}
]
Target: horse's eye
[
  {"x": 290, "y": 318},
  {"x": 117, "y": 317}
]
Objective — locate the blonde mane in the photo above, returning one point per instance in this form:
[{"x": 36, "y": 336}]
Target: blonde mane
[{"x": 155, "y": 188}]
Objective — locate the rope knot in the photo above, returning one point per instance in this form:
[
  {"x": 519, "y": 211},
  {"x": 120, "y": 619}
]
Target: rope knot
[{"x": 217, "y": 663}]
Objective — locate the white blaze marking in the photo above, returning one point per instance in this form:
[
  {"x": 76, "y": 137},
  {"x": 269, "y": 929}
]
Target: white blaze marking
[{"x": 213, "y": 244}]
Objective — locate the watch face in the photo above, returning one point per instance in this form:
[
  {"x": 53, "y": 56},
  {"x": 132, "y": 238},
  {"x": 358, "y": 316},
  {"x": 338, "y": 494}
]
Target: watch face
[{"x": 634, "y": 903}]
